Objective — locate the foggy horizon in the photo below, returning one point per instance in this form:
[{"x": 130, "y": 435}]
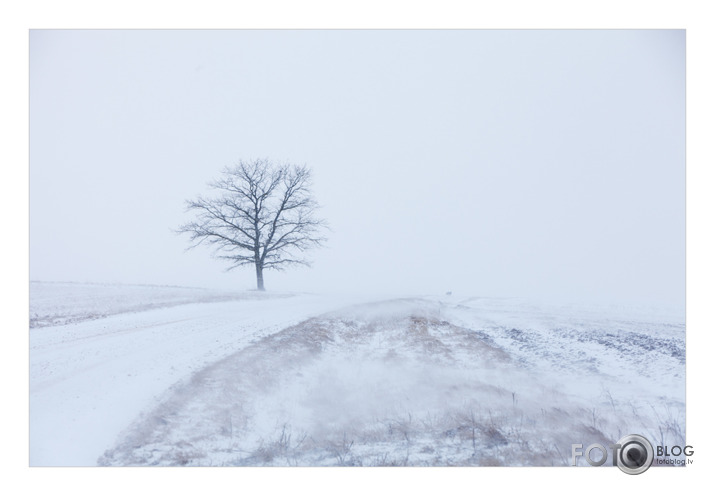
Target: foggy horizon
[{"x": 487, "y": 163}]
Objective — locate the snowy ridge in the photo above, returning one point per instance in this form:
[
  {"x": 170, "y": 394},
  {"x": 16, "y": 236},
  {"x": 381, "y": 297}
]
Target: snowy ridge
[{"x": 420, "y": 382}]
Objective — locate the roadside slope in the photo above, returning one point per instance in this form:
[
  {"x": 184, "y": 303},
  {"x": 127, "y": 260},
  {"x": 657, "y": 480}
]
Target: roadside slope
[{"x": 415, "y": 382}]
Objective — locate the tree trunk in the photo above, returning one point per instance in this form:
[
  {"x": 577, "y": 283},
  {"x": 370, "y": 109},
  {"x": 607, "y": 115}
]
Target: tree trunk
[{"x": 259, "y": 277}]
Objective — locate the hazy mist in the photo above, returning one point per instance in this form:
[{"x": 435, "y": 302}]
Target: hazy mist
[{"x": 494, "y": 163}]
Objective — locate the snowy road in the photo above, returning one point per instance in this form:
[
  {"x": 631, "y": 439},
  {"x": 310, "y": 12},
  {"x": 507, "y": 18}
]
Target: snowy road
[{"x": 89, "y": 380}]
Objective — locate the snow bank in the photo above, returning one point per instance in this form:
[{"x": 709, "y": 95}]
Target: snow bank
[{"x": 421, "y": 382}]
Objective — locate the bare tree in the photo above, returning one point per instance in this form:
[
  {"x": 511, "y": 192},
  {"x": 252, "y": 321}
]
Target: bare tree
[{"x": 263, "y": 215}]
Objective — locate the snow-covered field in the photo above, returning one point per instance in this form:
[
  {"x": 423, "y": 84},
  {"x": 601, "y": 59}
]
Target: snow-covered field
[
  {"x": 328, "y": 380},
  {"x": 57, "y": 303}
]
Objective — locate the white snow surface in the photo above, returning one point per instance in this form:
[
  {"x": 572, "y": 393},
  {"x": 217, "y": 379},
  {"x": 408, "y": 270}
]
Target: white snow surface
[
  {"x": 90, "y": 379},
  {"x": 344, "y": 380},
  {"x": 57, "y": 303}
]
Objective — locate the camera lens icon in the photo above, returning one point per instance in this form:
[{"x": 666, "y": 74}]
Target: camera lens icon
[{"x": 635, "y": 455}]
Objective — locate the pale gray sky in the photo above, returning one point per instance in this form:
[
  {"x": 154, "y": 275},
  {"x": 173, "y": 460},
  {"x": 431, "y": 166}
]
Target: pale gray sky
[{"x": 496, "y": 163}]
